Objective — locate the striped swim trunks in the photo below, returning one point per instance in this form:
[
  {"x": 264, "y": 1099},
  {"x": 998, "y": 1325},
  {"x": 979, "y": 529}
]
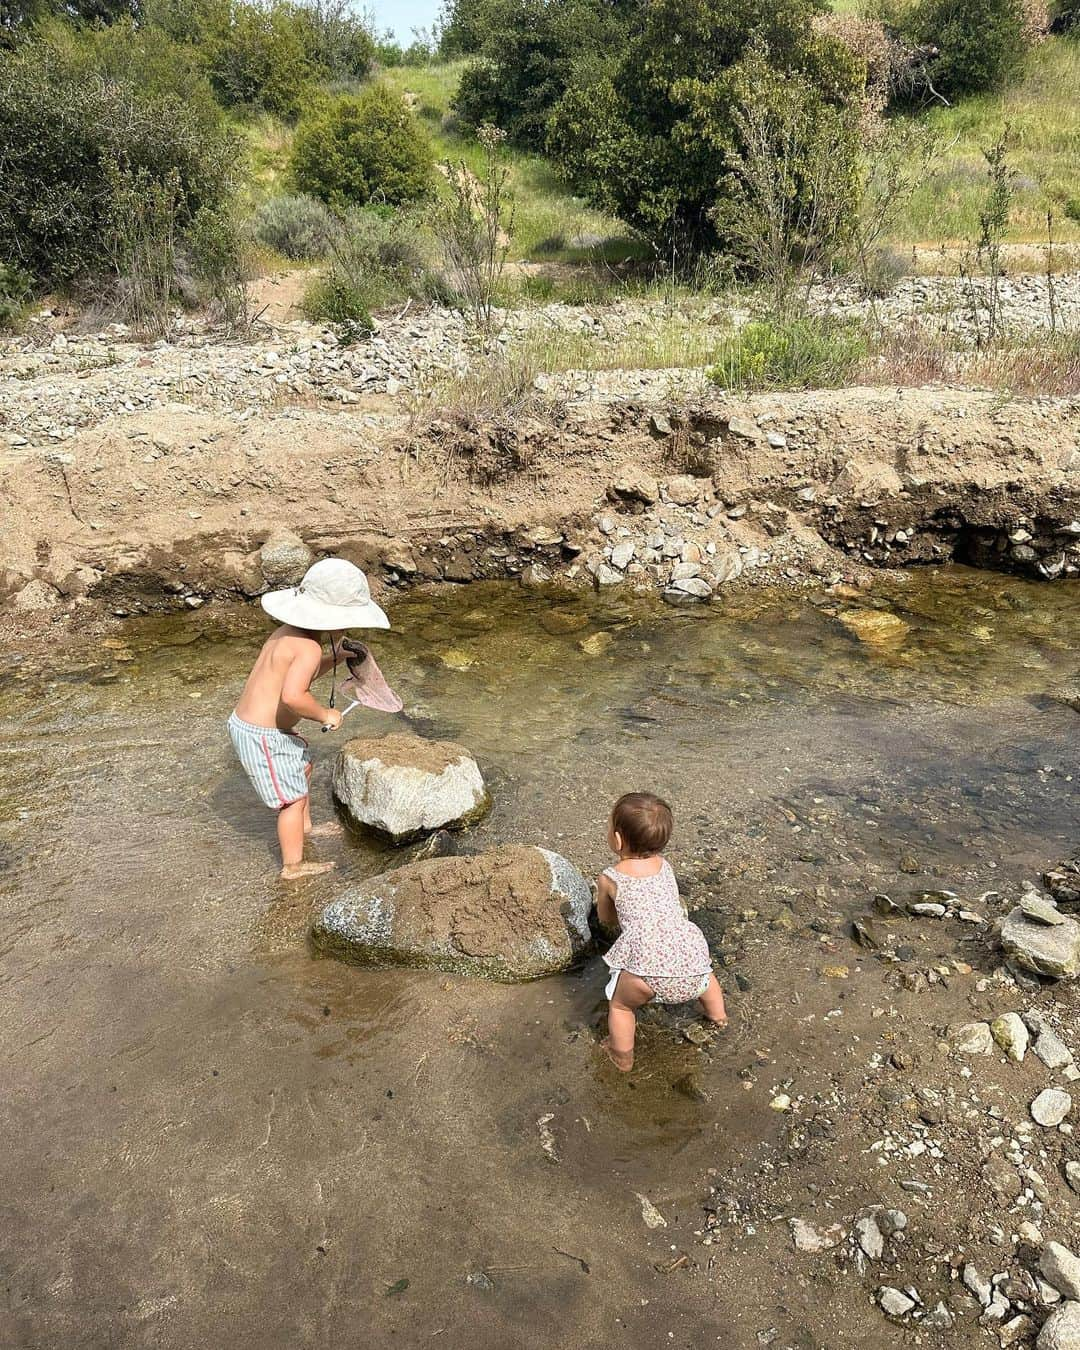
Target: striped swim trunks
[{"x": 274, "y": 760}]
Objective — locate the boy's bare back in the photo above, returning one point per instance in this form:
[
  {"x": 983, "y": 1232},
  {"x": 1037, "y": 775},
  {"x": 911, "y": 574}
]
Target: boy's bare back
[{"x": 280, "y": 678}]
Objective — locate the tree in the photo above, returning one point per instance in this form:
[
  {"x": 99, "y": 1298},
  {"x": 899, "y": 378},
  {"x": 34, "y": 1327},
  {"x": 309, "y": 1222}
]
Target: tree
[
  {"x": 653, "y": 140},
  {"x": 362, "y": 148},
  {"x": 529, "y": 52}
]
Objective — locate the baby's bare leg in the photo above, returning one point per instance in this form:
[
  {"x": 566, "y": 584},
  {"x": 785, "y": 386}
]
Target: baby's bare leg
[
  {"x": 631, "y": 993},
  {"x": 290, "y": 827},
  {"x": 712, "y": 1001}
]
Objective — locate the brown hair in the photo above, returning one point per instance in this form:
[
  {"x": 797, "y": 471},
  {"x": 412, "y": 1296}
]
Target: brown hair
[{"x": 644, "y": 821}]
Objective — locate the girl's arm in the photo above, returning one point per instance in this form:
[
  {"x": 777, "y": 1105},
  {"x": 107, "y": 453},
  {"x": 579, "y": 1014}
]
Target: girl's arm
[{"x": 605, "y": 902}]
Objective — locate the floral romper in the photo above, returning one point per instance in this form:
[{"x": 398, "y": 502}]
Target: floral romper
[{"x": 658, "y": 943}]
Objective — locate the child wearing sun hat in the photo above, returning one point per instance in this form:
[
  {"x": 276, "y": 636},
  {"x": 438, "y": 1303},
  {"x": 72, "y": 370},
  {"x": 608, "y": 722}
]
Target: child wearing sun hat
[{"x": 334, "y": 596}]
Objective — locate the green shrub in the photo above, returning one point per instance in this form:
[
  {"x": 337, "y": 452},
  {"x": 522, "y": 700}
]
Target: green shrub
[
  {"x": 16, "y": 291},
  {"x": 297, "y": 227},
  {"x": 981, "y": 44},
  {"x": 72, "y": 145},
  {"x": 800, "y": 354},
  {"x": 356, "y": 149},
  {"x": 377, "y": 258},
  {"x": 340, "y": 300},
  {"x": 260, "y": 57},
  {"x": 1072, "y": 209}
]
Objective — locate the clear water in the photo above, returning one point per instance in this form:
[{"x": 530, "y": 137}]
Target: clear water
[{"x": 149, "y": 956}]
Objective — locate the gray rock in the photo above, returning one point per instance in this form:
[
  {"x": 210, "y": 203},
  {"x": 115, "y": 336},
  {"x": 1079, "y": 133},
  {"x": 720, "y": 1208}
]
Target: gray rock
[
  {"x": 809, "y": 1237},
  {"x": 1072, "y": 1176},
  {"x": 1052, "y": 951},
  {"x": 939, "y": 1318},
  {"x": 1011, "y": 1034},
  {"x": 284, "y": 559},
  {"x": 868, "y": 1236},
  {"x": 726, "y": 565},
  {"x": 1040, "y": 910},
  {"x": 622, "y": 554},
  {"x": 1062, "y": 1268},
  {"x": 688, "y": 588},
  {"x": 404, "y": 786},
  {"x": 971, "y": 1038},
  {"x": 1051, "y": 1049},
  {"x": 513, "y": 913},
  {"x": 1050, "y": 1107},
  {"x": 894, "y": 1302},
  {"x": 1014, "y": 1330},
  {"x": 632, "y": 483},
  {"x": 982, "y": 1289},
  {"x": 1061, "y": 1330},
  {"x": 683, "y": 489}
]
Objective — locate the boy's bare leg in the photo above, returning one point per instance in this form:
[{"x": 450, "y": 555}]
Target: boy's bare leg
[
  {"x": 328, "y": 827},
  {"x": 631, "y": 993},
  {"x": 290, "y": 828},
  {"x": 712, "y": 1001}
]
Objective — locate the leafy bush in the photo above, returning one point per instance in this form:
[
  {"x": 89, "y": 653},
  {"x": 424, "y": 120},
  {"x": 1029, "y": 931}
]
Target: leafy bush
[
  {"x": 980, "y": 43},
  {"x": 296, "y": 227},
  {"x": 377, "y": 258},
  {"x": 339, "y": 42},
  {"x": 883, "y": 270},
  {"x": 528, "y": 56},
  {"x": 801, "y": 354},
  {"x": 71, "y": 147},
  {"x": 259, "y": 57},
  {"x": 362, "y": 148},
  {"x": 341, "y": 300},
  {"x": 1072, "y": 208},
  {"x": 652, "y": 140},
  {"x": 16, "y": 290}
]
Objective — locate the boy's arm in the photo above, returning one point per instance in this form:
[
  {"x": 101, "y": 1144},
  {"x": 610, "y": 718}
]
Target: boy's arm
[
  {"x": 296, "y": 687},
  {"x": 605, "y": 902}
]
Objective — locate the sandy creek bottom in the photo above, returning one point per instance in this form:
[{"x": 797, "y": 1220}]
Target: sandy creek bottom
[{"x": 212, "y": 1139}]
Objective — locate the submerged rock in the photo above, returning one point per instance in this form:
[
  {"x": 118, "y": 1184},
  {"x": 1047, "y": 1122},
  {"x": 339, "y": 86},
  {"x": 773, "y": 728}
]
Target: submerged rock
[
  {"x": 1052, "y": 950},
  {"x": 875, "y": 627},
  {"x": 406, "y": 786},
  {"x": 513, "y": 913}
]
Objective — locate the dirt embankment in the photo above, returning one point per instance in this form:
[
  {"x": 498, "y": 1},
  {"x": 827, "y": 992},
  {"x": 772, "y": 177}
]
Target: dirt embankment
[{"x": 170, "y": 505}]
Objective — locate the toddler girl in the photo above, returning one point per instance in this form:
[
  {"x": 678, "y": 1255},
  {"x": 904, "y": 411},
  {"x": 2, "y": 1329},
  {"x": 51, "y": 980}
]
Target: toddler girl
[{"x": 659, "y": 953}]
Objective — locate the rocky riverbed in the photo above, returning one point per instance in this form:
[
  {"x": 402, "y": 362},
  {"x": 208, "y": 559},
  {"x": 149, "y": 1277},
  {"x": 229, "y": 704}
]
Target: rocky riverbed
[{"x": 212, "y": 1133}]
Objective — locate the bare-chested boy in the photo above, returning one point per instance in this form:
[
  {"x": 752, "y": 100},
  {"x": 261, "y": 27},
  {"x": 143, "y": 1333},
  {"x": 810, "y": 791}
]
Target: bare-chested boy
[{"x": 332, "y": 597}]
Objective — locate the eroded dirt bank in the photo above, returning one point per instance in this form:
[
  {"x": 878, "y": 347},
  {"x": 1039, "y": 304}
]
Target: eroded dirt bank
[{"x": 170, "y": 505}]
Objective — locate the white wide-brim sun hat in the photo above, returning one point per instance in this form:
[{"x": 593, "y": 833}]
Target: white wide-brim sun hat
[{"x": 334, "y": 594}]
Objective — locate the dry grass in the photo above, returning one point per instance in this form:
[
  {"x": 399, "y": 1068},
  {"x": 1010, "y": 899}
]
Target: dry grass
[{"x": 914, "y": 356}]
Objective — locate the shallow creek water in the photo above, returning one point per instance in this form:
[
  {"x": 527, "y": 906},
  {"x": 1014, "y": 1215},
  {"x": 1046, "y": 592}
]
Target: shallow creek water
[{"x": 196, "y": 1105}]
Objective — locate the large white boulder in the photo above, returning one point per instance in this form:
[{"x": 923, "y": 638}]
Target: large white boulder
[
  {"x": 405, "y": 786},
  {"x": 512, "y": 913}
]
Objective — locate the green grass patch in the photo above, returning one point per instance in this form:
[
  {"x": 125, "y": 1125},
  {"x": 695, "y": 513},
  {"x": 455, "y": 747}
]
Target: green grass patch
[
  {"x": 550, "y": 223},
  {"x": 806, "y": 353},
  {"x": 1043, "y": 111}
]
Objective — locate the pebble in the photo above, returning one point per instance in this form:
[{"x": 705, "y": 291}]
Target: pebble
[
  {"x": 972, "y": 1038},
  {"x": 894, "y": 1302},
  {"x": 1051, "y": 1049},
  {"x": 1061, "y": 1268},
  {"x": 809, "y": 1237},
  {"x": 1050, "y": 1107},
  {"x": 1072, "y": 1176},
  {"x": 869, "y": 1238},
  {"x": 1011, "y": 1034}
]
